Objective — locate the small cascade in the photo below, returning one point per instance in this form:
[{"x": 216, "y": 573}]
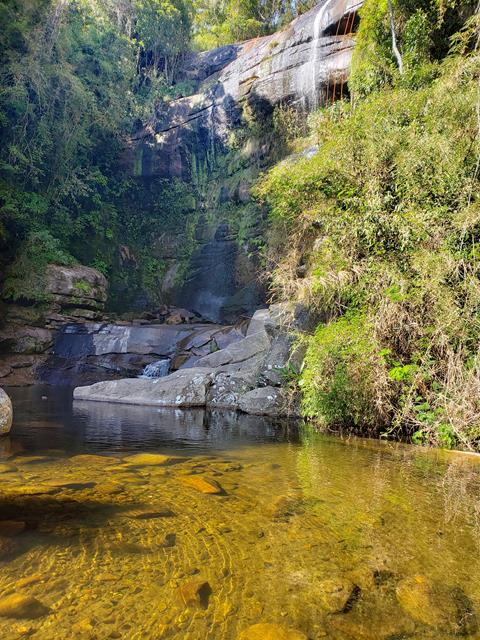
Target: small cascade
[{"x": 158, "y": 369}]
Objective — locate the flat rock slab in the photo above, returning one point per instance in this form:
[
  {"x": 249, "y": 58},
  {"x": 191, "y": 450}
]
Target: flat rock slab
[
  {"x": 185, "y": 388},
  {"x": 237, "y": 352}
]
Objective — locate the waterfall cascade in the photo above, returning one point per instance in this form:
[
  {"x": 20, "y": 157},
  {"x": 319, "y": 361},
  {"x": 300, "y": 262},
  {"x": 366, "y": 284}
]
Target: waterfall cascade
[
  {"x": 315, "y": 56},
  {"x": 158, "y": 369}
]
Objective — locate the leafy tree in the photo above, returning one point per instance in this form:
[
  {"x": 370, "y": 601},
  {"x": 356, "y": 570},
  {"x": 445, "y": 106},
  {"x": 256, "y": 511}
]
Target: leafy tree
[
  {"x": 163, "y": 28},
  {"x": 219, "y": 22}
]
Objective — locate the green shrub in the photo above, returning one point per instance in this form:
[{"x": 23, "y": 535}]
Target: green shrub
[
  {"x": 342, "y": 375},
  {"x": 385, "y": 222}
]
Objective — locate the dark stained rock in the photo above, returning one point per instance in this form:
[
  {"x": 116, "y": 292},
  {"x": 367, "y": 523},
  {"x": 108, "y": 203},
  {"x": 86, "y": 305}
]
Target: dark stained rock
[{"x": 211, "y": 277}]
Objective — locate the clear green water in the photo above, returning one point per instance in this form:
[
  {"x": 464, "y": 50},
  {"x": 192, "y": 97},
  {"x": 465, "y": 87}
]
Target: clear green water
[{"x": 115, "y": 546}]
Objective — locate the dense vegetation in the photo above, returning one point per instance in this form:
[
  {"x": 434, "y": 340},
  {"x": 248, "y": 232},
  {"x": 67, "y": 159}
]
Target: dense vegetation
[
  {"x": 73, "y": 84},
  {"x": 78, "y": 76},
  {"x": 385, "y": 222},
  {"x": 219, "y": 22}
]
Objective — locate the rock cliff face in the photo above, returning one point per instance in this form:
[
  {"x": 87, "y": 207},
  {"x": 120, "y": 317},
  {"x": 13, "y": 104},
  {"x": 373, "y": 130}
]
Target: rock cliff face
[
  {"x": 236, "y": 90},
  {"x": 305, "y": 64},
  {"x": 220, "y": 138}
]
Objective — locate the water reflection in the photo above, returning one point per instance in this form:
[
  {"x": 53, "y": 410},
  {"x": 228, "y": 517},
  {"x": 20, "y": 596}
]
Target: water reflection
[{"x": 46, "y": 417}]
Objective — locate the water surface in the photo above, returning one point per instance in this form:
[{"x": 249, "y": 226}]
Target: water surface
[{"x": 121, "y": 547}]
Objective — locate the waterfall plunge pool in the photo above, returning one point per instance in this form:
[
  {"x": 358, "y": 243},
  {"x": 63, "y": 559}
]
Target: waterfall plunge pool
[{"x": 133, "y": 522}]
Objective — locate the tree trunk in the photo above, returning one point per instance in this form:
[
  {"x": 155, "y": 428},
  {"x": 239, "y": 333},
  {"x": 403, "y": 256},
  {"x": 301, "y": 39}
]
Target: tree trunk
[{"x": 395, "y": 49}]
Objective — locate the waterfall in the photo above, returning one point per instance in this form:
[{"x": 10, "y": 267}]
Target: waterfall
[
  {"x": 158, "y": 369},
  {"x": 315, "y": 57}
]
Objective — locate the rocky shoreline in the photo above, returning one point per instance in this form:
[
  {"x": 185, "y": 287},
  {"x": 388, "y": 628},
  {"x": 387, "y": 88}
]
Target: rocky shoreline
[{"x": 247, "y": 375}]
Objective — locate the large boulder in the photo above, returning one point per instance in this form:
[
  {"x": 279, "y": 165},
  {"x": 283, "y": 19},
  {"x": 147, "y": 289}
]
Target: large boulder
[
  {"x": 184, "y": 388},
  {"x": 77, "y": 286},
  {"x": 6, "y": 413},
  {"x": 265, "y": 401}
]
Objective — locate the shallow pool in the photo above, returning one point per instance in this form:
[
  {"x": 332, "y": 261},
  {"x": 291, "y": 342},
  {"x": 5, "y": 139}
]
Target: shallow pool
[{"x": 125, "y": 522}]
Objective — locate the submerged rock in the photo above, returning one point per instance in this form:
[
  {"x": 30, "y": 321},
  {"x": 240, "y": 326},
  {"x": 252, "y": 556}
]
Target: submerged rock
[
  {"x": 336, "y": 594},
  {"x": 195, "y": 593},
  {"x": 6, "y": 413},
  {"x": 383, "y": 623},
  {"x": 150, "y": 514},
  {"x": 92, "y": 458},
  {"x": 283, "y": 507},
  {"x": 436, "y": 605},
  {"x": 157, "y": 459},
  {"x": 21, "y": 606},
  {"x": 10, "y": 528},
  {"x": 265, "y": 631},
  {"x": 202, "y": 484},
  {"x": 7, "y": 547},
  {"x": 7, "y": 468}
]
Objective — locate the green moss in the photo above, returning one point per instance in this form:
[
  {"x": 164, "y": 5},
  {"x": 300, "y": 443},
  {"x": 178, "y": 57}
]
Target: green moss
[{"x": 83, "y": 286}]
